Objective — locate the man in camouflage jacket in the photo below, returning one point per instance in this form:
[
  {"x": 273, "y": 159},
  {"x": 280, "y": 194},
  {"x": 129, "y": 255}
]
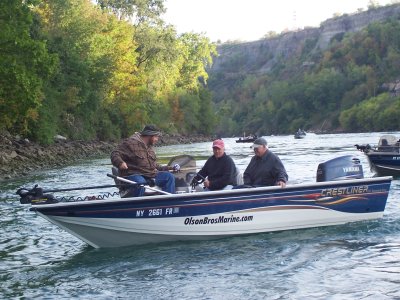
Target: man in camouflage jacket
[{"x": 136, "y": 161}]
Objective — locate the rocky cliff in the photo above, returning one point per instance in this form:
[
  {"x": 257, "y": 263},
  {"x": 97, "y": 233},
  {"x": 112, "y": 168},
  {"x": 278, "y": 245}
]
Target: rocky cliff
[{"x": 260, "y": 56}]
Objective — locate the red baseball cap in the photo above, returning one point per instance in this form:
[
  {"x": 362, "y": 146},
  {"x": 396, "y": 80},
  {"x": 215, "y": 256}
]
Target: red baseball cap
[{"x": 218, "y": 144}]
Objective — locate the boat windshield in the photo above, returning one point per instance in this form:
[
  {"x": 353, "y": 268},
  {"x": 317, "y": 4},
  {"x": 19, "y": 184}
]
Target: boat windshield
[{"x": 387, "y": 140}]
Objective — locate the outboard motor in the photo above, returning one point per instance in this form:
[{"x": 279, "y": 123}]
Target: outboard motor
[{"x": 340, "y": 168}]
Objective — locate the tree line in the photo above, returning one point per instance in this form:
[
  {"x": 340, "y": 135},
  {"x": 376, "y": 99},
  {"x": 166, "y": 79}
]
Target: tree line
[
  {"x": 99, "y": 70},
  {"x": 102, "y": 70}
]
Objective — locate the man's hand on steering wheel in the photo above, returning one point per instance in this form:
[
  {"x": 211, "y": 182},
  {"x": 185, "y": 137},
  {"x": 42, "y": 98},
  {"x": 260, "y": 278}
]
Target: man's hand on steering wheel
[{"x": 198, "y": 179}]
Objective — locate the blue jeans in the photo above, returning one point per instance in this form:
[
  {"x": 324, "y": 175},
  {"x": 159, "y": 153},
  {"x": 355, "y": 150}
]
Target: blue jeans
[{"x": 165, "y": 180}]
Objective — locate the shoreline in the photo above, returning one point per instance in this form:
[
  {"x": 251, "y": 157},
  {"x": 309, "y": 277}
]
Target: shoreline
[{"x": 20, "y": 157}]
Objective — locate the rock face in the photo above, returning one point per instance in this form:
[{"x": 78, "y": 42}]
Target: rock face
[
  {"x": 393, "y": 88},
  {"x": 267, "y": 51},
  {"x": 20, "y": 157},
  {"x": 354, "y": 22},
  {"x": 249, "y": 55}
]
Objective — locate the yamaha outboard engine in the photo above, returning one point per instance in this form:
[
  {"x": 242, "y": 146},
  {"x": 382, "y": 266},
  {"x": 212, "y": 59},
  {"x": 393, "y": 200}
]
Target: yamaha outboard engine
[{"x": 340, "y": 168}]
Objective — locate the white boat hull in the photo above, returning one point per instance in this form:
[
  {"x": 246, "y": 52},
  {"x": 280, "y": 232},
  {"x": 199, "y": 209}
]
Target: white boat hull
[{"x": 110, "y": 232}]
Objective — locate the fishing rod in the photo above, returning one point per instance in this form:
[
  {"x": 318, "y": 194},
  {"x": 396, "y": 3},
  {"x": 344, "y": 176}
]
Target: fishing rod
[
  {"x": 133, "y": 182},
  {"x": 87, "y": 188},
  {"x": 172, "y": 171}
]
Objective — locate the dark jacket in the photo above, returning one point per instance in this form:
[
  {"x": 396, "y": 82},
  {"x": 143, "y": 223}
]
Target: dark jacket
[
  {"x": 220, "y": 171},
  {"x": 265, "y": 171},
  {"x": 140, "y": 159}
]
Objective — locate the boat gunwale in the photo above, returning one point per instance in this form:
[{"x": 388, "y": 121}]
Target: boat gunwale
[
  {"x": 383, "y": 153},
  {"x": 387, "y": 167},
  {"x": 244, "y": 191}
]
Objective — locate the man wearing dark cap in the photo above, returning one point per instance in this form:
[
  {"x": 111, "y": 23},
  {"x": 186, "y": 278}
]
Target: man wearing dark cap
[
  {"x": 265, "y": 168},
  {"x": 219, "y": 169},
  {"x": 136, "y": 161}
]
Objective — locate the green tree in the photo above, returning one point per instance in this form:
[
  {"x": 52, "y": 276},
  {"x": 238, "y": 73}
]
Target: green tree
[
  {"x": 97, "y": 75},
  {"x": 25, "y": 66},
  {"x": 97, "y": 60},
  {"x": 139, "y": 10},
  {"x": 197, "y": 52},
  {"x": 377, "y": 113}
]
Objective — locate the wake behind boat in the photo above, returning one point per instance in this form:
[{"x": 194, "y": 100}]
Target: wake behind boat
[
  {"x": 339, "y": 196},
  {"x": 384, "y": 158}
]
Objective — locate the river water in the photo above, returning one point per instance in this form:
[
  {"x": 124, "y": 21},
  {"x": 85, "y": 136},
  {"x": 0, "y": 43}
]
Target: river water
[{"x": 354, "y": 261}]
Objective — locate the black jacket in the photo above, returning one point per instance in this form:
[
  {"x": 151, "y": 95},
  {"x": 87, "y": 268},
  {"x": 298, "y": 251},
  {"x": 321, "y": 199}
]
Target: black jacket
[
  {"x": 265, "y": 171},
  {"x": 220, "y": 171}
]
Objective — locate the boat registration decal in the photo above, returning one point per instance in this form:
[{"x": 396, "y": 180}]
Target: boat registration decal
[
  {"x": 217, "y": 220},
  {"x": 156, "y": 212}
]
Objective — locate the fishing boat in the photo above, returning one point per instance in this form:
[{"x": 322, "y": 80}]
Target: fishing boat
[
  {"x": 247, "y": 139},
  {"x": 384, "y": 158},
  {"x": 300, "y": 134},
  {"x": 340, "y": 195}
]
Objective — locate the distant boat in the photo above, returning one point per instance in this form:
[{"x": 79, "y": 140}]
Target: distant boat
[
  {"x": 384, "y": 158},
  {"x": 300, "y": 134},
  {"x": 247, "y": 139}
]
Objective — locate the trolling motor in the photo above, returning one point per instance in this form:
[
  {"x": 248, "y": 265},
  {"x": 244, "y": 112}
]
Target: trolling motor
[
  {"x": 363, "y": 148},
  {"x": 35, "y": 195}
]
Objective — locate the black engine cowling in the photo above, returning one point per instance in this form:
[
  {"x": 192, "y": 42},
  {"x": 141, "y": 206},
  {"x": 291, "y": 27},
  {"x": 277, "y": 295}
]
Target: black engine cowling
[{"x": 340, "y": 168}]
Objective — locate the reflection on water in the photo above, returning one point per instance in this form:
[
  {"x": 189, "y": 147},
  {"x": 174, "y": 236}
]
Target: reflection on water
[{"x": 337, "y": 262}]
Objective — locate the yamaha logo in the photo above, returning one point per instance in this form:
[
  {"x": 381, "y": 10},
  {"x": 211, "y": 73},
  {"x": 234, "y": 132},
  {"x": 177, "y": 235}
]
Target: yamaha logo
[{"x": 351, "y": 169}]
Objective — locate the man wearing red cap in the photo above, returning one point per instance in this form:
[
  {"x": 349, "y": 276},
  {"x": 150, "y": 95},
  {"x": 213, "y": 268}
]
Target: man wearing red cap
[{"x": 219, "y": 169}]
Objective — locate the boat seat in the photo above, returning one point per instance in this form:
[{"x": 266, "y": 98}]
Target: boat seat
[
  {"x": 238, "y": 177},
  {"x": 115, "y": 172}
]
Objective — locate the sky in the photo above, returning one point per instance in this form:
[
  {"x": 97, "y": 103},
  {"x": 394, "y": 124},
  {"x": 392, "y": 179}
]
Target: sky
[{"x": 249, "y": 20}]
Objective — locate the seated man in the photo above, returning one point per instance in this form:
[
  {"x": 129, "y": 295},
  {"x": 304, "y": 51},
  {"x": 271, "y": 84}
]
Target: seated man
[
  {"x": 136, "y": 160},
  {"x": 219, "y": 169},
  {"x": 265, "y": 167}
]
